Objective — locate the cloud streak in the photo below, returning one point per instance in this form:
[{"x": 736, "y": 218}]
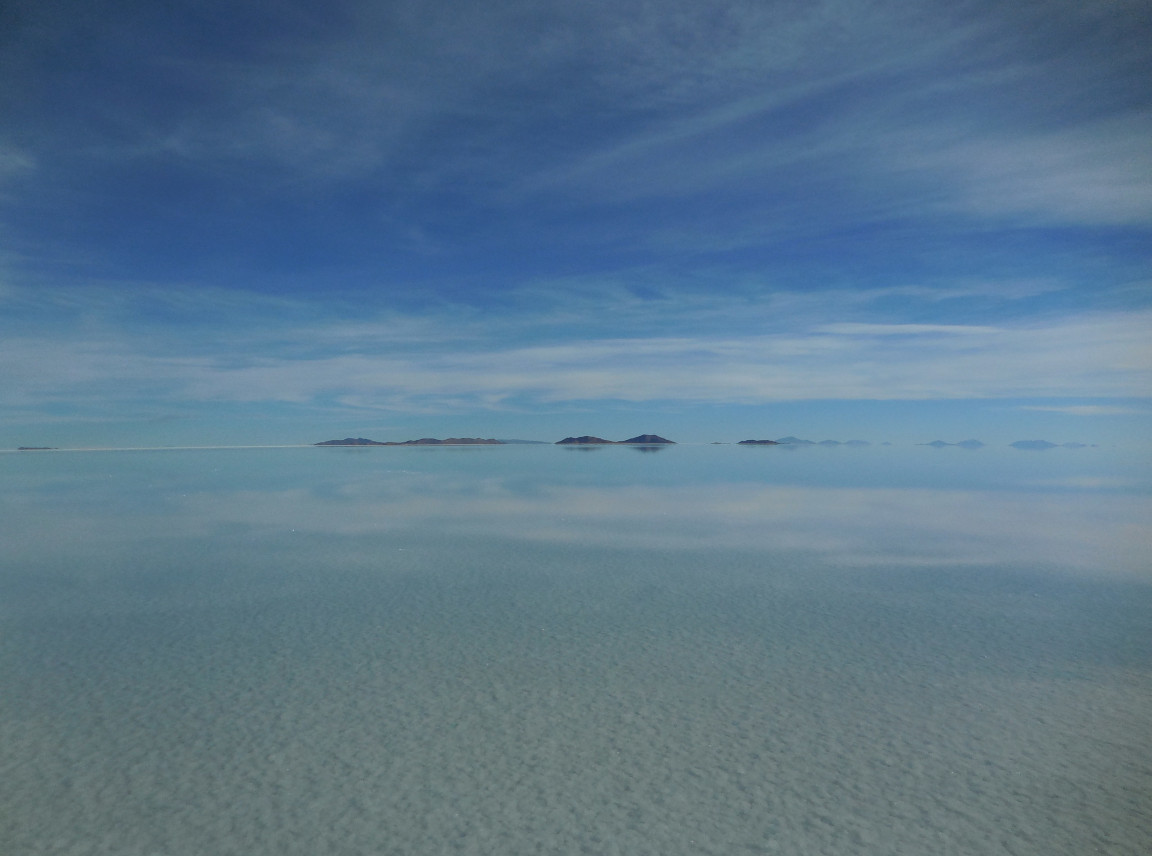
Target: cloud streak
[
  {"x": 458, "y": 361},
  {"x": 1089, "y": 409},
  {"x": 862, "y": 528}
]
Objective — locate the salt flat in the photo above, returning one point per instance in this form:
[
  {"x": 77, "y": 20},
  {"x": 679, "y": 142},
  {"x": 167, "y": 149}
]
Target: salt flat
[{"x": 529, "y": 650}]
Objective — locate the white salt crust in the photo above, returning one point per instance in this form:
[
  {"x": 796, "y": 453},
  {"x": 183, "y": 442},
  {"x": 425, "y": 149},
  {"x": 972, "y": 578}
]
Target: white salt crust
[{"x": 600, "y": 705}]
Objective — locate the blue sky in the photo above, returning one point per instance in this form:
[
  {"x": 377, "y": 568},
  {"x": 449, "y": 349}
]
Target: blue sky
[{"x": 278, "y": 222}]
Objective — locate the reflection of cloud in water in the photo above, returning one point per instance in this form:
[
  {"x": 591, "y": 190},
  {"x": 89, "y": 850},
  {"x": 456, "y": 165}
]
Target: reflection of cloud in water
[
  {"x": 1075, "y": 524},
  {"x": 1098, "y": 533}
]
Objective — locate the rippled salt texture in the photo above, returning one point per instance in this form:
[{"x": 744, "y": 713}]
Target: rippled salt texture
[{"x": 535, "y": 650}]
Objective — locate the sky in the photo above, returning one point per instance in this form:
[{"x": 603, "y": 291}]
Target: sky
[{"x": 283, "y": 222}]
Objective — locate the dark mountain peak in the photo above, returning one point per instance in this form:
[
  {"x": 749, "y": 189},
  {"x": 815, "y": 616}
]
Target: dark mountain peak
[
  {"x": 585, "y": 440},
  {"x": 758, "y": 443},
  {"x": 1038, "y": 445},
  {"x": 648, "y": 440}
]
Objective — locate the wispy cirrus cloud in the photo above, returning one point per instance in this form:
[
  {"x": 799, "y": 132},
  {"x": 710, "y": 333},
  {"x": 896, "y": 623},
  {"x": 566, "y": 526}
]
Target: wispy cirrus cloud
[
  {"x": 926, "y": 529},
  {"x": 1088, "y": 409},
  {"x": 14, "y": 162},
  {"x": 607, "y": 103},
  {"x": 859, "y": 329},
  {"x": 460, "y": 359},
  {"x": 1094, "y": 173}
]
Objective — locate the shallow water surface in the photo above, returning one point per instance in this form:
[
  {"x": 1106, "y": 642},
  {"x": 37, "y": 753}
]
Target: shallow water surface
[{"x": 546, "y": 650}]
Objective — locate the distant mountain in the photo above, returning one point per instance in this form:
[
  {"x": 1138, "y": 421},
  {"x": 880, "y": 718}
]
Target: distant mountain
[
  {"x": 35, "y": 448},
  {"x": 963, "y": 444},
  {"x": 525, "y": 442},
  {"x": 424, "y": 441},
  {"x": 352, "y": 441},
  {"x": 795, "y": 441},
  {"x": 1032, "y": 444},
  {"x": 758, "y": 443},
  {"x": 642, "y": 440}
]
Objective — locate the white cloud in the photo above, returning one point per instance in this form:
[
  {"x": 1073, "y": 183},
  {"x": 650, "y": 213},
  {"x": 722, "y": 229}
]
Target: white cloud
[
  {"x": 457, "y": 360},
  {"x": 1088, "y": 409},
  {"x": 14, "y": 162},
  {"x": 857, "y": 329},
  {"x": 1095, "y": 173}
]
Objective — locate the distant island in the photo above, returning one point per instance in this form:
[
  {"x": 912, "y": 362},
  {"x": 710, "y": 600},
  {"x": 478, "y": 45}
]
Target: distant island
[
  {"x": 35, "y": 448},
  {"x": 652, "y": 440},
  {"x": 648, "y": 440},
  {"x": 641, "y": 440},
  {"x": 424, "y": 441},
  {"x": 585, "y": 440}
]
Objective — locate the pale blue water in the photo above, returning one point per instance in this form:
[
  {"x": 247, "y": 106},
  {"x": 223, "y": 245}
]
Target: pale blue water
[{"x": 523, "y": 649}]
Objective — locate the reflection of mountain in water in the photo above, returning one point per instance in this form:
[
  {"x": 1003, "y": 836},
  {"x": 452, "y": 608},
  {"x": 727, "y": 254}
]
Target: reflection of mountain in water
[{"x": 640, "y": 440}]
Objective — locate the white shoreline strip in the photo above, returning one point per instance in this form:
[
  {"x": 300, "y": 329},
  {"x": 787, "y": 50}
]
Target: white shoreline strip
[{"x": 151, "y": 448}]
